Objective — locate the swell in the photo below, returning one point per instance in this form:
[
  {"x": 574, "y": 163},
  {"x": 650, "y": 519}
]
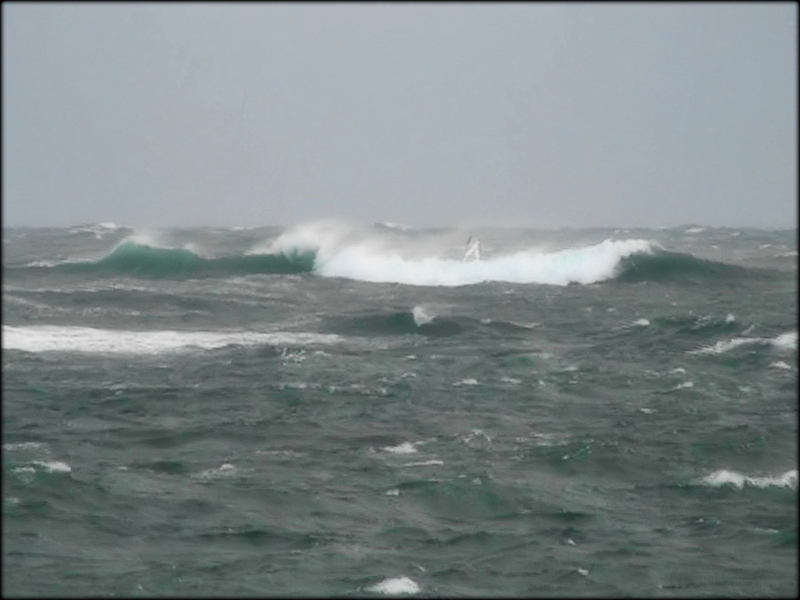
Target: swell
[{"x": 675, "y": 266}]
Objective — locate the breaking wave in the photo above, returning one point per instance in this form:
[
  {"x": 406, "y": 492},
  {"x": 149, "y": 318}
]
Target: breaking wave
[{"x": 331, "y": 249}]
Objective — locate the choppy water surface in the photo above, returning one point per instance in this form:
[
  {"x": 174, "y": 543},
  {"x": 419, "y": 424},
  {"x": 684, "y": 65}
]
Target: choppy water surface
[{"x": 338, "y": 410}]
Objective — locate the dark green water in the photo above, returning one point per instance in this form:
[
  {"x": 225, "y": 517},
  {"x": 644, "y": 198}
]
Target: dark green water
[{"x": 335, "y": 411}]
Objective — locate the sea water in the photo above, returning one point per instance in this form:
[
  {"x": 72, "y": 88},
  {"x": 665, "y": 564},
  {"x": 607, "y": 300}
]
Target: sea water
[{"x": 341, "y": 410}]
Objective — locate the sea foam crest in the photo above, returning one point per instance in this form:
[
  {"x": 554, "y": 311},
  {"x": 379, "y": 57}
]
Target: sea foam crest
[
  {"x": 87, "y": 339},
  {"x": 366, "y": 262},
  {"x": 342, "y": 250},
  {"x": 723, "y": 477}
]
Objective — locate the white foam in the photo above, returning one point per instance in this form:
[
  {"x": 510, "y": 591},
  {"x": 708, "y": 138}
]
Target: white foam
[
  {"x": 395, "y": 586},
  {"x": 368, "y": 261},
  {"x": 730, "y": 318},
  {"x": 466, "y": 381},
  {"x": 726, "y": 477},
  {"x": 422, "y": 315},
  {"x": 725, "y": 345},
  {"x": 785, "y": 341},
  {"x": 685, "y": 384},
  {"x": 780, "y": 365},
  {"x": 641, "y": 322},
  {"x": 696, "y": 230},
  {"x": 54, "y": 466},
  {"x": 404, "y": 448},
  {"x": 23, "y": 446},
  {"x": 224, "y": 470},
  {"x": 49, "y": 338},
  {"x": 424, "y": 463}
]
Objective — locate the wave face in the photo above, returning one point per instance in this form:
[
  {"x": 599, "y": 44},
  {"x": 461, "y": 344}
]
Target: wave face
[{"x": 667, "y": 266}]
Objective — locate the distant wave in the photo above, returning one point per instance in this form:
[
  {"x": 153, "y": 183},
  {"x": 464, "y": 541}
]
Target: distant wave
[{"x": 131, "y": 257}]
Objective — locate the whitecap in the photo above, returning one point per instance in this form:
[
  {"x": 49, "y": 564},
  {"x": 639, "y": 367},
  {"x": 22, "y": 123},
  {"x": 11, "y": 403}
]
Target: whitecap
[
  {"x": 395, "y": 586},
  {"x": 783, "y": 341},
  {"x": 780, "y": 365},
  {"x": 54, "y": 466},
  {"x": 641, "y": 322},
  {"x": 23, "y": 446},
  {"x": 726, "y": 477},
  {"x": 224, "y": 470},
  {"x": 424, "y": 463},
  {"x": 365, "y": 261},
  {"x": 725, "y": 345},
  {"x": 51, "y": 338},
  {"x": 404, "y": 448},
  {"x": 422, "y": 315},
  {"x": 786, "y": 340}
]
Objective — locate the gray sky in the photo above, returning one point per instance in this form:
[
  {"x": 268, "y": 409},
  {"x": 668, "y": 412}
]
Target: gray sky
[{"x": 539, "y": 115}]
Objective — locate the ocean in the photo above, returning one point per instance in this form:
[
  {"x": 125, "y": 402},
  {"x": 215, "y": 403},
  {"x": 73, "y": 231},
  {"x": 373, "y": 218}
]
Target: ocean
[{"x": 369, "y": 410}]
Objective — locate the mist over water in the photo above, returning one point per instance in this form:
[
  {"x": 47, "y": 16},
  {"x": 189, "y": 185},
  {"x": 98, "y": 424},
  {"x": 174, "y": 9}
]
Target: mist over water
[{"x": 342, "y": 409}]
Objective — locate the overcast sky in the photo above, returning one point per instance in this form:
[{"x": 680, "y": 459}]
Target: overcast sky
[{"x": 539, "y": 115}]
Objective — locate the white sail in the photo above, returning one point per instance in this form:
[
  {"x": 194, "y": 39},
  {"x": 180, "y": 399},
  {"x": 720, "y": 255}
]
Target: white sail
[{"x": 473, "y": 249}]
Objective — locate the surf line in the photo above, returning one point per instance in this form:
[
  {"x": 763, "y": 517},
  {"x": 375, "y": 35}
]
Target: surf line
[{"x": 473, "y": 249}]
